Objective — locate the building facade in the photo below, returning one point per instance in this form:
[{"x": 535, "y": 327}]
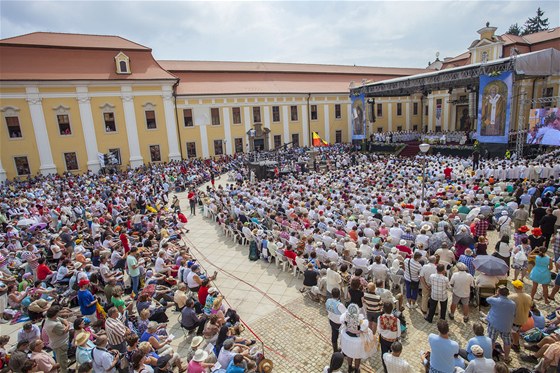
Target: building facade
[{"x": 67, "y": 99}]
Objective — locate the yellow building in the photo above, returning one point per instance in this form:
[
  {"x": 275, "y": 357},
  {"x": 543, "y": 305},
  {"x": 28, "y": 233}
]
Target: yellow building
[{"x": 66, "y": 99}]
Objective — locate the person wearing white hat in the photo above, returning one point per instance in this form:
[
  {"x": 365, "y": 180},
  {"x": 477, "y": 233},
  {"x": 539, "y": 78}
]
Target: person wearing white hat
[
  {"x": 461, "y": 282},
  {"x": 197, "y": 363},
  {"x": 480, "y": 364}
]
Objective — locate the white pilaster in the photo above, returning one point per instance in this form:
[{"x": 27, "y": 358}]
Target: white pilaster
[
  {"x": 407, "y": 112},
  {"x": 430, "y": 113},
  {"x": 247, "y": 115},
  {"x": 88, "y": 126},
  {"x": 286, "y": 124},
  {"x": 227, "y": 131},
  {"x": 40, "y": 129},
  {"x": 266, "y": 112},
  {"x": 327, "y": 124},
  {"x": 305, "y": 125},
  {"x": 445, "y": 108},
  {"x": 136, "y": 159},
  {"x": 390, "y": 117},
  {"x": 170, "y": 123},
  {"x": 2, "y": 172},
  {"x": 349, "y": 115},
  {"x": 204, "y": 140}
]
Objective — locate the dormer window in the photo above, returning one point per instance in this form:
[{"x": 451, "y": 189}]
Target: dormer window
[{"x": 122, "y": 63}]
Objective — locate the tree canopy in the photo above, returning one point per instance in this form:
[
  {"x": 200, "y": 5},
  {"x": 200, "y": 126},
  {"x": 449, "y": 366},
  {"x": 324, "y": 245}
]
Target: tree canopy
[{"x": 532, "y": 24}]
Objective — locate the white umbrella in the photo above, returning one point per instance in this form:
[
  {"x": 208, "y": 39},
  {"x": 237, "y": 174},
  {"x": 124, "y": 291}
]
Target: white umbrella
[{"x": 472, "y": 214}]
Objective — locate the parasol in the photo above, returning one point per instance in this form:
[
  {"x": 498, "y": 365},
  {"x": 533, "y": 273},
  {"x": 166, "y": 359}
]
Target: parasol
[
  {"x": 490, "y": 265},
  {"x": 39, "y": 226},
  {"x": 464, "y": 239},
  {"x": 472, "y": 214},
  {"x": 436, "y": 240}
]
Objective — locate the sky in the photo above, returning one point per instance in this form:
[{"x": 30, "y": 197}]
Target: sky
[{"x": 366, "y": 33}]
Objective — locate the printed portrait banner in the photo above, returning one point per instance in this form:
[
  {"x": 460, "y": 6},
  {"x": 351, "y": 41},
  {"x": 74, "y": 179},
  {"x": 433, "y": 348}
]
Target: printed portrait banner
[
  {"x": 358, "y": 117},
  {"x": 494, "y": 108}
]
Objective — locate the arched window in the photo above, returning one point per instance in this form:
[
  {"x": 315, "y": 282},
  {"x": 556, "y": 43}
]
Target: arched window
[{"x": 123, "y": 66}]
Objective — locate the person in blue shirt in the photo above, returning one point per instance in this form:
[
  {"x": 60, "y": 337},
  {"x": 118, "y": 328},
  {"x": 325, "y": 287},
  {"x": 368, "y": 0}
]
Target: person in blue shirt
[
  {"x": 443, "y": 350},
  {"x": 237, "y": 365},
  {"x": 481, "y": 340},
  {"x": 86, "y": 300},
  {"x": 500, "y": 319}
]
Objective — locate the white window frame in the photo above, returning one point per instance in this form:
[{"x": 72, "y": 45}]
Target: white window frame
[
  {"x": 63, "y": 110},
  {"x": 121, "y": 57},
  {"x": 66, "y": 163},
  {"x": 106, "y": 109},
  {"x": 148, "y": 106},
  {"x": 12, "y": 112},
  {"x": 150, "y": 151},
  {"x": 15, "y": 164}
]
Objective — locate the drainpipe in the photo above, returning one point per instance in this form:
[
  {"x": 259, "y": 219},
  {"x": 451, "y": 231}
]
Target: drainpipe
[{"x": 177, "y": 128}]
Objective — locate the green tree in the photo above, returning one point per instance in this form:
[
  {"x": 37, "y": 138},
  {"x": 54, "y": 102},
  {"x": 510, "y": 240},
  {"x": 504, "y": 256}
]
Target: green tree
[
  {"x": 536, "y": 24},
  {"x": 514, "y": 29}
]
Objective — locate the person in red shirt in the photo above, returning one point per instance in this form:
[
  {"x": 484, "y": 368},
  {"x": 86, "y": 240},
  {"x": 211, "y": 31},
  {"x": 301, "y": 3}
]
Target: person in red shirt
[
  {"x": 447, "y": 172},
  {"x": 124, "y": 241},
  {"x": 404, "y": 249},
  {"x": 291, "y": 255},
  {"x": 203, "y": 291},
  {"x": 43, "y": 271}
]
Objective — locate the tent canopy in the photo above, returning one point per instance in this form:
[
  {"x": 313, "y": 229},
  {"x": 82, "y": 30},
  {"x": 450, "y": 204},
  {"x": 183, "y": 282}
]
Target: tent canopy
[{"x": 541, "y": 63}]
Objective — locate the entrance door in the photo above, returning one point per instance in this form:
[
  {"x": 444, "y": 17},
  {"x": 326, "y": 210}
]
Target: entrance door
[{"x": 258, "y": 144}]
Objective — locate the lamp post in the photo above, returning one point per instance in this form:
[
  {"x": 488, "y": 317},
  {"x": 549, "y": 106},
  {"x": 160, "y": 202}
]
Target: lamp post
[{"x": 424, "y": 149}]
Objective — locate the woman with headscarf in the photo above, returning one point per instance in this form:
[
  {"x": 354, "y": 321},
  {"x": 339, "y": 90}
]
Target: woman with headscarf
[{"x": 356, "y": 342}]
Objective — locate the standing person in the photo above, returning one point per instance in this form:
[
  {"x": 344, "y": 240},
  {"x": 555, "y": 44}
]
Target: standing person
[
  {"x": 412, "y": 268},
  {"x": 547, "y": 226},
  {"x": 86, "y": 300},
  {"x": 523, "y": 304},
  {"x": 439, "y": 284},
  {"x": 461, "y": 282},
  {"x": 134, "y": 270},
  {"x": 442, "y": 349},
  {"x": 335, "y": 309},
  {"x": 520, "y": 217},
  {"x": 334, "y": 280},
  {"x": 394, "y": 363},
  {"x": 389, "y": 327},
  {"x": 57, "y": 330},
  {"x": 500, "y": 319},
  {"x": 540, "y": 274},
  {"x": 503, "y": 249},
  {"x": 354, "y": 334},
  {"x": 192, "y": 201},
  {"x": 372, "y": 305},
  {"x": 538, "y": 213},
  {"x": 427, "y": 270}
]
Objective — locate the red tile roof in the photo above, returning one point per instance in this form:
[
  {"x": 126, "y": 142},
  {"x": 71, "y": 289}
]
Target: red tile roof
[
  {"x": 82, "y": 41},
  {"x": 50, "y": 63},
  {"x": 247, "y": 83},
  {"x": 219, "y": 66}
]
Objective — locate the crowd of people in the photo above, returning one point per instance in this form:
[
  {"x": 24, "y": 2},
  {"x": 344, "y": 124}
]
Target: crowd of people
[
  {"x": 92, "y": 266},
  {"x": 443, "y": 138},
  {"x": 366, "y": 241}
]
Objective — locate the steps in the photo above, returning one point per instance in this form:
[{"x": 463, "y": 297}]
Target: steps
[{"x": 410, "y": 150}]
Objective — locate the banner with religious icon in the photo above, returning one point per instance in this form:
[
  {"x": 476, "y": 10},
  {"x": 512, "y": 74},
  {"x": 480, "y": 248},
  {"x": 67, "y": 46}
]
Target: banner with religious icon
[
  {"x": 494, "y": 107},
  {"x": 358, "y": 116}
]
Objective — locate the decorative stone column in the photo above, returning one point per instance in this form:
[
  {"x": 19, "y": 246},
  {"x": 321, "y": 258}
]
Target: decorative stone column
[
  {"x": 40, "y": 130},
  {"x": 136, "y": 159},
  {"x": 170, "y": 123},
  {"x": 88, "y": 126}
]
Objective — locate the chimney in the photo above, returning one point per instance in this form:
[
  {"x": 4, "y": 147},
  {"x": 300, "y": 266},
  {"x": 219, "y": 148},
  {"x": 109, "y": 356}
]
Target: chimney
[{"x": 487, "y": 32}]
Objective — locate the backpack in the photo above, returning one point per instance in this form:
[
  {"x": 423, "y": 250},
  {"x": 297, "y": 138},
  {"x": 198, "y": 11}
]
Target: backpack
[{"x": 533, "y": 335}]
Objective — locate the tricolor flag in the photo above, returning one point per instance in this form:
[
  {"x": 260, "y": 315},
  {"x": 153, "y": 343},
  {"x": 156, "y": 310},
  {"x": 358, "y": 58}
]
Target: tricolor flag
[{"x": 318, "y": 141}]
